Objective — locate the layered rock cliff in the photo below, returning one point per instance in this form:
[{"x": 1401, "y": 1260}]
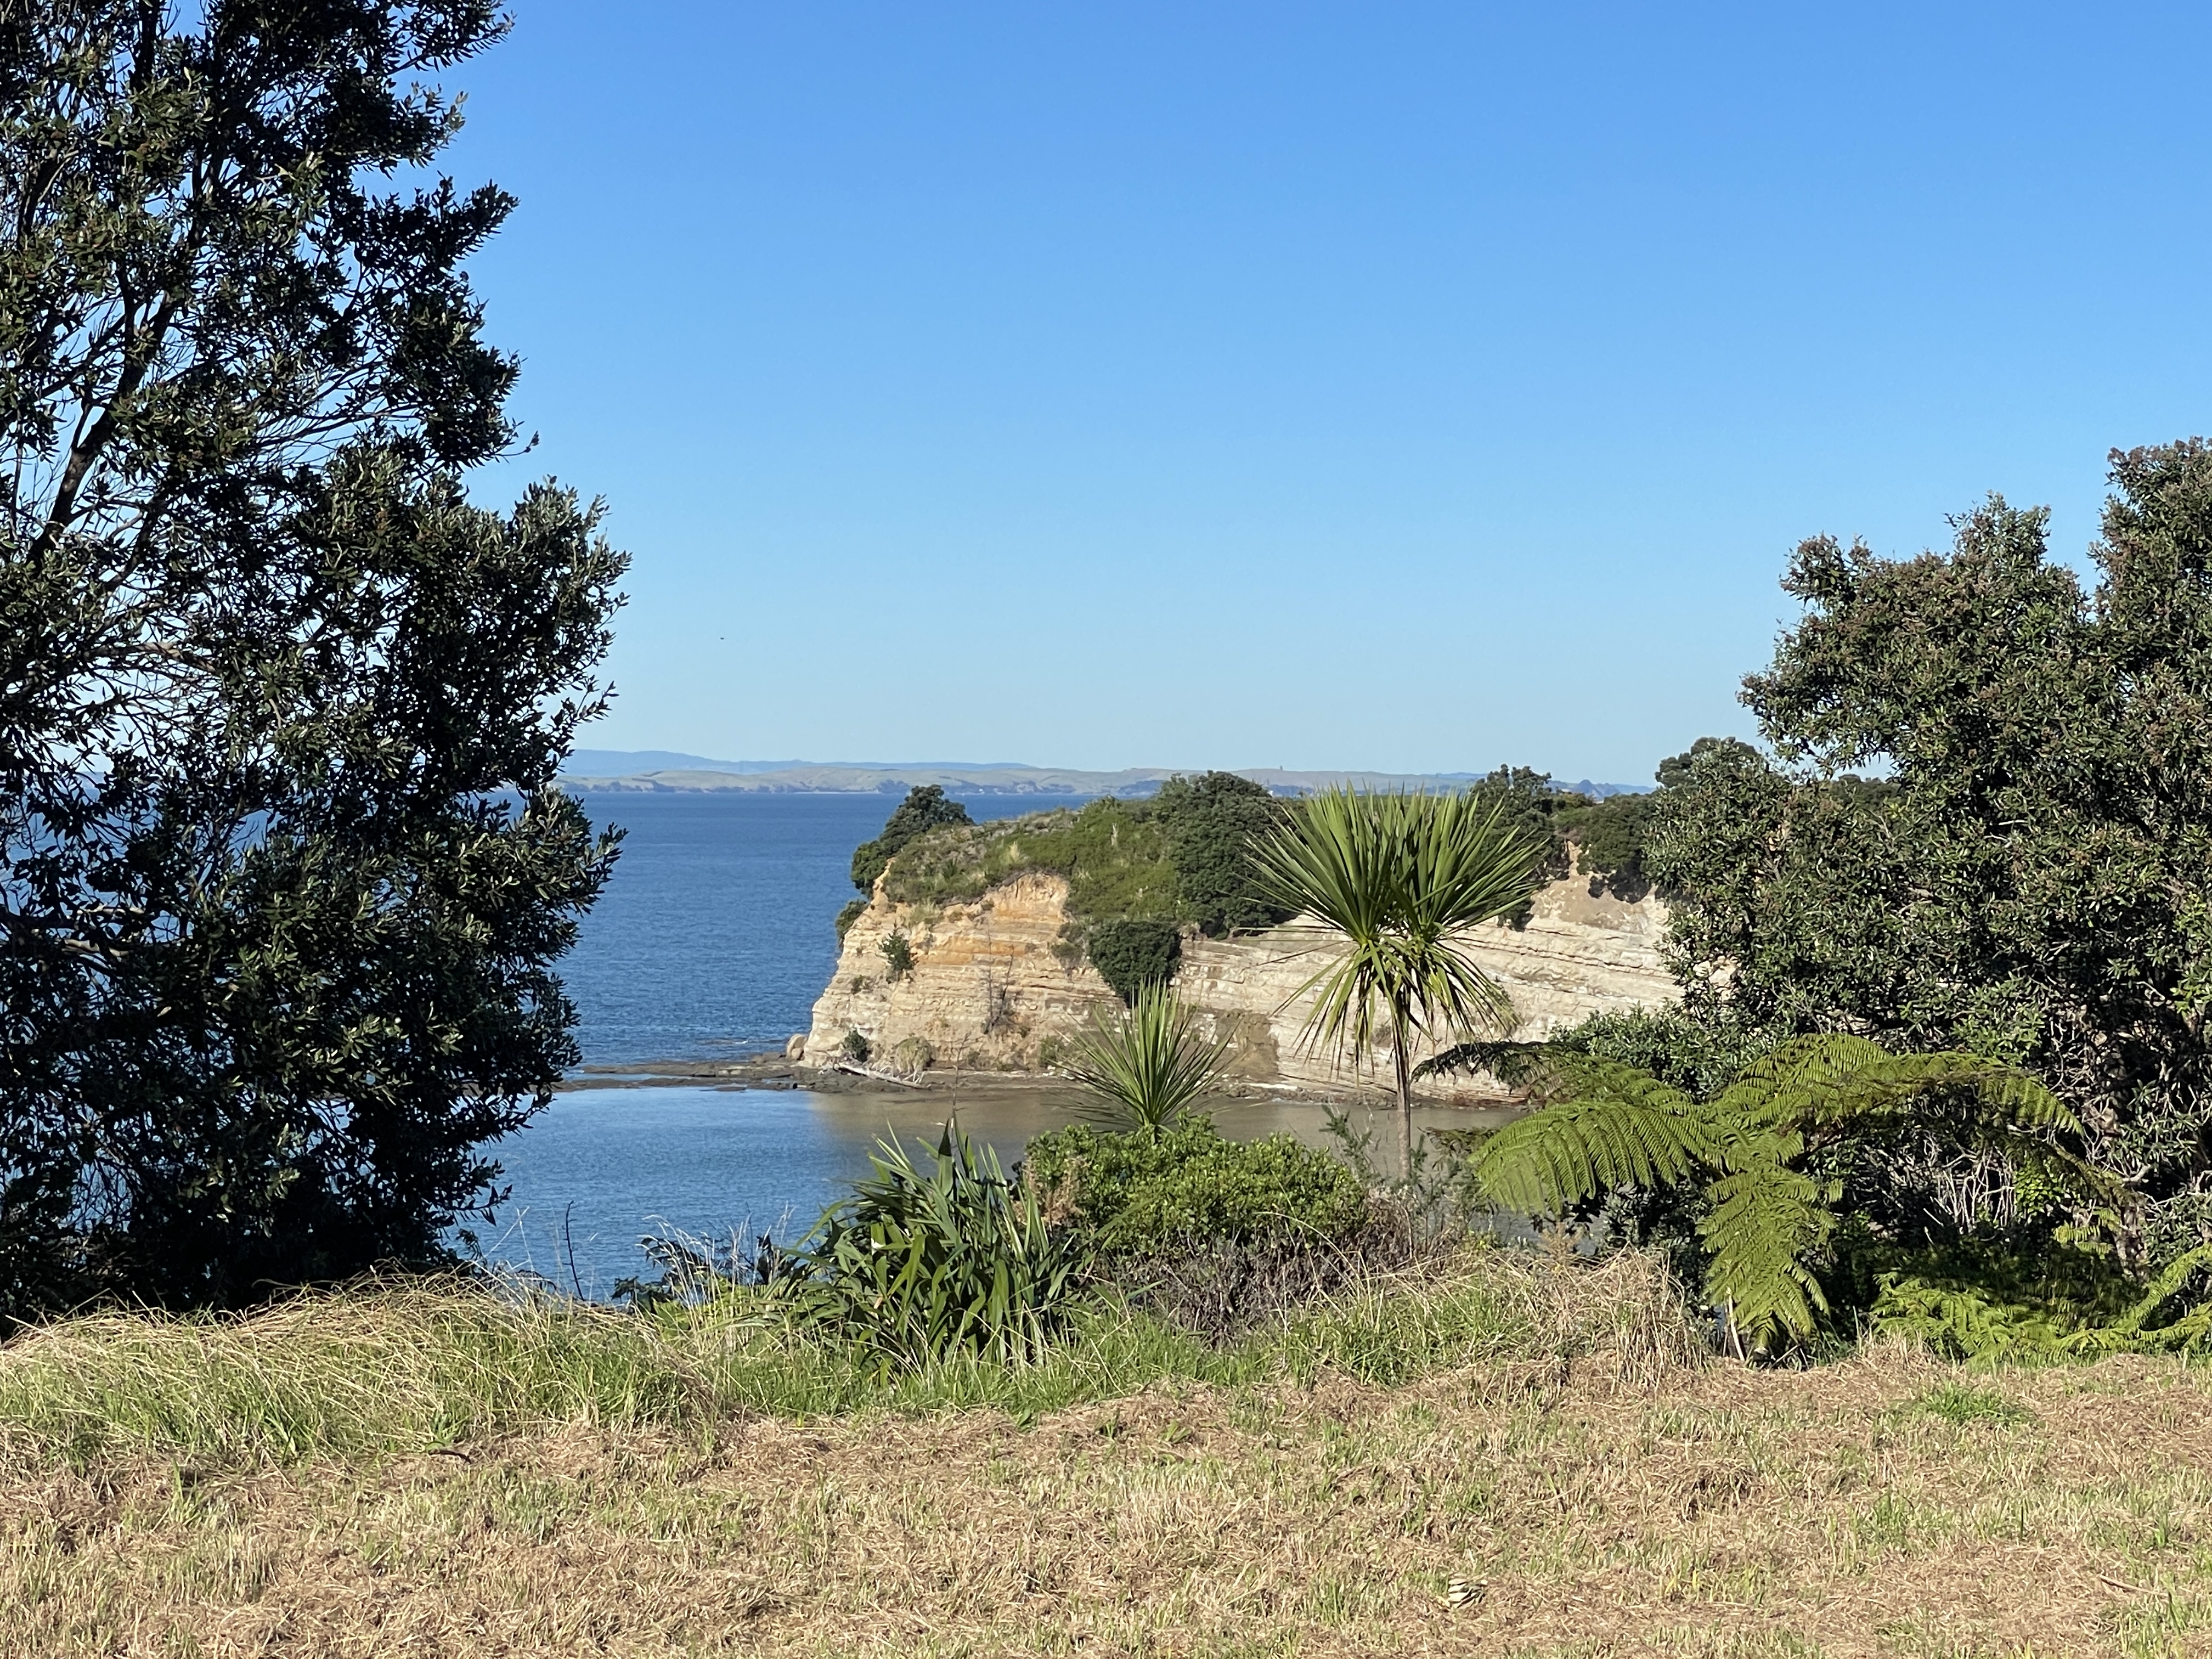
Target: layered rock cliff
[{"x": 992, "y": 987}]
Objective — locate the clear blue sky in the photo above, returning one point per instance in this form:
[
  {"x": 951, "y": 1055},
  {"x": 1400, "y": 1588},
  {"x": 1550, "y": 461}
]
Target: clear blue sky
[{"x": 1419, "y": 386}]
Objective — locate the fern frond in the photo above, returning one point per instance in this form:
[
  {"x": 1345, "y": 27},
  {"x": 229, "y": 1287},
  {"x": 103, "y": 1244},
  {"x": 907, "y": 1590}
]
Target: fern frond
[
  {"x": 2133, "y": 1329},
  {"x": 1617, "y": 1127},
  {"x": 1781, "y": 1085},
  {"x": 1818, "y": 1082},
  {"x": 1767, "y": 1219}
]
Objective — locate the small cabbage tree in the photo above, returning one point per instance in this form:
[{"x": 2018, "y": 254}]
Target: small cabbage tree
[
  {"x": 1146, "y": 1065},
  {"x": 1396, "y": 882},
  {"x": 1601, "y": 1125}
]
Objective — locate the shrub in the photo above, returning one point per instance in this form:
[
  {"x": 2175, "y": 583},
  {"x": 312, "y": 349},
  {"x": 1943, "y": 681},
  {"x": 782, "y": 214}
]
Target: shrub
[
  {"x": 1212, "y": 822},
  {"x": 853, "y": 911},
  {"x": 1759, "y": 1160},
  {"x": 1127, "y": 1194},
  {"x": 856, "y": 1048},
  {"x": 920, "y": 1266},
  {"x": 924, "y": 809},
  {"x": 1130, "y": 955},
  {"x": 1609, "y": 842},
  {"x": 898, "y": 955}
]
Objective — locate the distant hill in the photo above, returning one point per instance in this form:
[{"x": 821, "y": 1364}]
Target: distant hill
[
  {"x": 624, "y": 762},
  {"x": 661, "y": 771}
]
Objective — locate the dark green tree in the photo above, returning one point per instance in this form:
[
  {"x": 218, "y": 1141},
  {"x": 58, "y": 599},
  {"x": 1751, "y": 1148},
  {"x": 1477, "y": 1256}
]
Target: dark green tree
[
  {"x": 282, "y": 870},
  {"x": 1213, "y": 821},
  {"x": 2027, "y": 877},
  {"x": 924, "y": 809},
  {"x": 1133, "y": 955}
]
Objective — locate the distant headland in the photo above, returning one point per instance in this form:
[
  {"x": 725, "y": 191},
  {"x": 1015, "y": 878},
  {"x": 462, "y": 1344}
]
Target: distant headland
[{"x": 665, "y": 771}]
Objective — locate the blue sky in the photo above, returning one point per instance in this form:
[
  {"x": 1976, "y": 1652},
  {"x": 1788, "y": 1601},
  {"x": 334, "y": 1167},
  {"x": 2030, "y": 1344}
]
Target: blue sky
[{"x": 1415, "y": 388}]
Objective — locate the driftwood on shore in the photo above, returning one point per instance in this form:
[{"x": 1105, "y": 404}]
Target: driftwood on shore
[{"x": 873, "y": 1075}]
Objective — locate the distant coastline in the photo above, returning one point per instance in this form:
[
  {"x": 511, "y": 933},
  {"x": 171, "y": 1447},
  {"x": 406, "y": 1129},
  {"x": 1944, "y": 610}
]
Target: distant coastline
[{"x": 662, "y": 772}]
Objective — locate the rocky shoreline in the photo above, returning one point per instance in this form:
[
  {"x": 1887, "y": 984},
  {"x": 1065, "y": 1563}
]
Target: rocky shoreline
[{"x": 775, "y": 1071}]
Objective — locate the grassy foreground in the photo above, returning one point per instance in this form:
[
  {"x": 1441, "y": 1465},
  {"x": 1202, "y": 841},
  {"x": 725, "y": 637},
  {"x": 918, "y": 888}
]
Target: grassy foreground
[{"x": 440, "y": 1472}]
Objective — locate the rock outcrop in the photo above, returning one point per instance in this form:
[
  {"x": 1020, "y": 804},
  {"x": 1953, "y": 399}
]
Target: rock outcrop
[{"x": 992, "y": 986}]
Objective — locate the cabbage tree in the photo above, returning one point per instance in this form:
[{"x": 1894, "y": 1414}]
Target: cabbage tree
[{"x": 1393, "y": 886}]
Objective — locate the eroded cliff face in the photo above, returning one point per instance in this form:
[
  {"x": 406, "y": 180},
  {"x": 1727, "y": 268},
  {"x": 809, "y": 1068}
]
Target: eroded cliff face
[{"x": 993, "y": 989}]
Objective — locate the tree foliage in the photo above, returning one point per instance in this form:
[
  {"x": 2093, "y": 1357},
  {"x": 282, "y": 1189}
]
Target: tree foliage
[
  {"x": 924, "y": 809},
  {"x": 282, "y": 870},
  {"x": 1133, "y": 956},
  {"x": 2029, "y": 874},
  {"x": 1212, "y": 821}
]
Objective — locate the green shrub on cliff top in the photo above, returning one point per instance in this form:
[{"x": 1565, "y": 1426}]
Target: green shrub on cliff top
[
  {"x": 1113, "y": 855},
  {"x": 1181, "y": 857},
  {"x": 924, "y": 809},
  {"x": 1212, "y": 822}
]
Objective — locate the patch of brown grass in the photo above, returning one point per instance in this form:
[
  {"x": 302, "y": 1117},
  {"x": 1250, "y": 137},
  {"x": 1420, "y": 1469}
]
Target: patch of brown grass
[{"x": 1705, "y": 1511}]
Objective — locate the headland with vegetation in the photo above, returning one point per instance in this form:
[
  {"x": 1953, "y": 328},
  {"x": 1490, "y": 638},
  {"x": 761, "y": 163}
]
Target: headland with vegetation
[{"x": 1856, "y": 1302}]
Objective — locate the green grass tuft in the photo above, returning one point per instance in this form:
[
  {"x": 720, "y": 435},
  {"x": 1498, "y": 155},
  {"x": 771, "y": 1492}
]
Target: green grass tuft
[{"x": 1955, "y": 1402}]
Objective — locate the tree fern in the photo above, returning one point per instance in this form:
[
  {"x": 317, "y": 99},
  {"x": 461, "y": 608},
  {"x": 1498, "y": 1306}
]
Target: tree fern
[
  {"x": 1608, "y": 1126},
  {"x": 1766, "y": 1223},
  {"x": 1600, "y": 1125}
]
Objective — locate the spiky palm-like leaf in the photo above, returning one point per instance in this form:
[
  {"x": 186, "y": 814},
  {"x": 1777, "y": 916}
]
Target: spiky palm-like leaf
[
  {"x": 1393, "y": 883},
  {"x": 1600, "y": 1125},
  {"x": 1147, "y": 1065}
]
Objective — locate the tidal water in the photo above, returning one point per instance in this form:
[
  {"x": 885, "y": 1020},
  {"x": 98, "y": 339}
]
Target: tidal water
[{"x": 712, "y": 939}]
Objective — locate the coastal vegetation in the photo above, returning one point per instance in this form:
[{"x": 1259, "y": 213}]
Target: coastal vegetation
[
  {"x": 1877, "y": 1272},
  {"x": 1760, "y": 1171},
  {"x": 1146, "y": 1066},
  {"x": 283, "y": 870},
  {"x": 1138, "y": 872}
]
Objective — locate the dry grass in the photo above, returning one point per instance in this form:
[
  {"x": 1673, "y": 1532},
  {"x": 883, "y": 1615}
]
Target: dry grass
[{"x": 1608, "y": 1500}]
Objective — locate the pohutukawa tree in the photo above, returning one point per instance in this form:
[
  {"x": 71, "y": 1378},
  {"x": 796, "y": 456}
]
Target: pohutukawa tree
[
  {"x": 282, "y": 870},
  {"x": 2030, "y": 877}
]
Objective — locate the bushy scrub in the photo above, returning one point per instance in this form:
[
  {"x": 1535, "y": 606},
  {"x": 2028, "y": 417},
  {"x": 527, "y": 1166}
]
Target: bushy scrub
[
  {"x": 1180, "y": 857},
  {"x": 924, "y": 809},
  {"x": 1212, "y": 822},
  {"x": 899, "y": 956},
  {"x": 1125, "y": 1194},
  {"x": 1133, "y": 957}
]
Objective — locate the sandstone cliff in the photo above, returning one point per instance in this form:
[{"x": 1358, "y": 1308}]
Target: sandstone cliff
[{"x": 993, "y": 989}]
